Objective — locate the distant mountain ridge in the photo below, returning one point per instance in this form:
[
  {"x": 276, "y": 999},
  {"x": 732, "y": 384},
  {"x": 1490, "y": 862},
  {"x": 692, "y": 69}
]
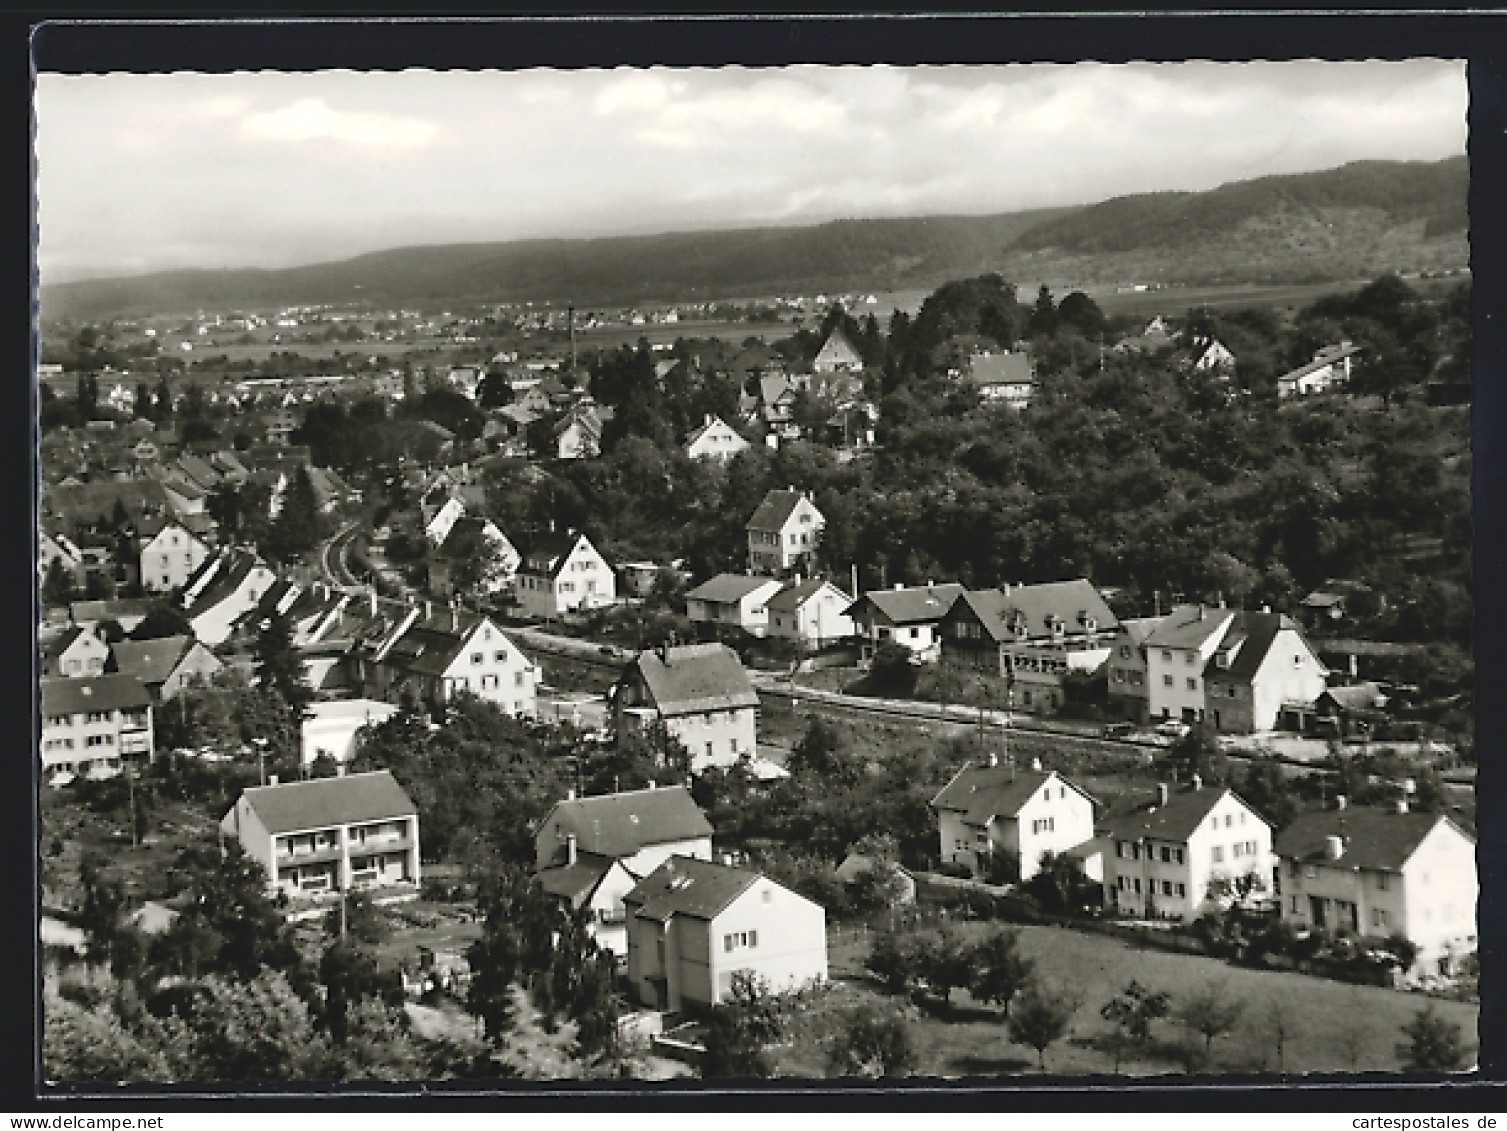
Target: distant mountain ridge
[{"x": 1359, "y": 219}]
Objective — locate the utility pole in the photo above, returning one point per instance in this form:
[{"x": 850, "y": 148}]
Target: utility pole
[{"x": 131, "y": 789}]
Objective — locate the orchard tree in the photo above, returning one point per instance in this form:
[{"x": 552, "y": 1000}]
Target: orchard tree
[
  {"x": 1040, "y": 1016},
  {"x": 999, "y": 970},
  {"x": 1212, "y": 1013},
  {"x": 872, "y": 1043},
  {"x": 1433, "y": 1044}
]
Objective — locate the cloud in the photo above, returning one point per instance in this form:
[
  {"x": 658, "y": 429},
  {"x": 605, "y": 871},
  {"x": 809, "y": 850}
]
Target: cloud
[
  {"x": 759, "y": 114},
  {"x": 312, "y": 119}
]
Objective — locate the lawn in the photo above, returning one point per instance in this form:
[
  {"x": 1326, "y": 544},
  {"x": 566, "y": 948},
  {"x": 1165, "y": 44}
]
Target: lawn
[{"x": 1329, "y": 1026}]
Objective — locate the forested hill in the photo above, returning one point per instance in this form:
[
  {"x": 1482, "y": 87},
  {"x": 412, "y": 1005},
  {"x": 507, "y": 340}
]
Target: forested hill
[{"x": 1362, "y": 219}]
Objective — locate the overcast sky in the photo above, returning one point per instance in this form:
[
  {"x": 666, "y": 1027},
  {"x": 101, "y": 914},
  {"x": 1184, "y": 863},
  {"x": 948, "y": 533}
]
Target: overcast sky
[{"x": 137, "y": 173}]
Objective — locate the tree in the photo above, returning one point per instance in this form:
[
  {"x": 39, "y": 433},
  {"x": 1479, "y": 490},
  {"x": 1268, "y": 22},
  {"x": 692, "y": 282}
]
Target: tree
[
  {"x": 1211, "y": 1013},
  {"x": 825, "y": 754},
  {"x": 494, "y": 391},
  {"x": 102, "y": 903},
  {"x": 58, "y": 587},
  {"x": 1133, "y": 1011},
  {"x": 242, "y": 1031},
  {"x": 892, "y": 960},
  {"x": 999, "y": 970},
  {"x": 161, "y": 620},
  {"x": 1043, "y": 320},
  {"x": 1040, "y": 1016},
  {"x": 94, "y": 1045},
  {"x": 892, "y": 672},
  {"x": 1433, "y": 1044},
  {"x": 872, "y": 1043},
  {"x": 1082, "y": 314},
  {"x": 734, "y": 1048},
  {"x": 297, "y": 528},
  {"x": 279, "y": 668}
]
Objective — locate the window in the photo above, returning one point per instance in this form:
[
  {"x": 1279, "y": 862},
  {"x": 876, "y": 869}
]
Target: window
[
  {"x": 727, "y": 943},
  {"x": 477, "y": 657},
  {"x": 1120, "y": 849},
  {"x": 1294, "y": 905},
  {"x": 500, "y": 657},
  {"x": 1237, "y": 850},
  {"x": 708, "y": 749},
  {"x": 1166, "y": 653},
  {"x": 1166, "y": 855},
  {"x": 1228, "y": 820},
  {"x": 1242, "y": 816},
  {"x": 1120, "y": 882},
  {"x": 1182, "y": 889},
  {"x": 1179, "y": 853},
  {"x": 1192, "y": 684},
  {"x": 1188, "y": 659},
  {"x": 1124, "y": 651},
  {"x": 488, "y": 682},
  {"x": 1218, "y": 855},
  {"x": 706, "y": 719},
  {"x": 1136, "y": 884},
  {"x": 1311, "y": 872},
  {"x": 1043, "y": 825},
  {"x": 1381, "y": 881},
  {"x": 1378, "y": 917},
  {"x": 518, "y": 679},
  {"x": 1166, "y": 887},
  {"x": 753, "y": 936},
  {"x": 915, "y": 634},
  {"x": 1297, "y": 661},
  {"x": 768, "y": 895},
  {"x": 1166, "y": 681}
]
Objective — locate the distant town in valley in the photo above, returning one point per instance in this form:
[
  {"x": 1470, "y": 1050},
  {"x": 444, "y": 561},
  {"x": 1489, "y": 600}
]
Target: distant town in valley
[{"x": 1047, "y": 656}]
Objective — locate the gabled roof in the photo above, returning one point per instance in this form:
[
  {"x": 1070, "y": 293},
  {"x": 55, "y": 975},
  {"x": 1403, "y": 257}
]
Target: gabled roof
[
  {"x": 1254, "y": 633},
  {"x": 838, "y": 350},
  {"x": 62, "y": 696},
  {"x": 1189, "y": 626},
  {"x": 1139, "y": 629},
  {"x": 1356, "y": 697},
  {"x": 317, "y": 804},
  {"x": 776, "y": 510},
  {"x": 915, "y": 605},
  {"x": 94, "y": 611},
  {"x": 1379, "y": 840},
  {"x": 552, "y": 549},
  {"x": 234, "y": 567},
  {"x": 617, "y": 825},
  {"x": 796, "y": 594},
  {"x": 707, "y": 426},
  {"x": 1069, "y": 601},
  {"x": 66, "y": 640},
  {"x": 150, "y": 661},
  {"x": 1328, "y": 355},
  {"x": 772, "y": 386},
  {"x": 683, "y": 885},
  {"x": 1176, "y": 821},
  {"x": 728, "y": 588},
  {"x": 691, "y": 678},
  {"x": 982, "y": 793},
  {"x": 576, "y": 882}
]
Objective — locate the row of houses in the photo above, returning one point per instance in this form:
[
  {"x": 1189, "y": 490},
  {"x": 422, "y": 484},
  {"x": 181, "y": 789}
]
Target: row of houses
[{"x": 1373, "y": 872}]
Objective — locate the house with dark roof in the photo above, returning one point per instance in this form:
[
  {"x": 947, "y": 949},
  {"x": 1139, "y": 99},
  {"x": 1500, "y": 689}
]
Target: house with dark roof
[
  {"x": 479, "y": 541},
  {"x": 811, "y": 611},
  {"x": 715, "y": 439},
  {"x": 1127, "y": 677},
  {"x": 990, "y": 810},
  {"x": 906, "y": 615},
  {"x": 837, "y": 355},
  {"x": 165, "y": 666},
  {"x": 329, "y": 835},
  {"x": 732, "y": 599},
  {"x": 563, "y": 573},
  {"x": 578, "y": 434},
  {"x": 1184, "y": 852},
  {"x": 1377, "y": 872},
  {"x": 76, "y": 652},
  {"x": 92, "y": 725},
  {"x": 1006, "y": 378},
  {"x": 783, "y": 533},
  {"x": 1329, "y": 369},
  {"x": 591, "y": 851},
  {"x": 435, "y": 657},
  {"x": 693, "y": 924},
  {"x": 1263, "y": 672},
  {"x": 170, "y": 555},
  {"x": 700, "y": 693},
  {"x": 1033, "y": 635},
  {"x": 223, "y": 590}
]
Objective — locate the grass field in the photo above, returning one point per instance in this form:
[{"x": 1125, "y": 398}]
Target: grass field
[{"x": 1330, "y": 1027}]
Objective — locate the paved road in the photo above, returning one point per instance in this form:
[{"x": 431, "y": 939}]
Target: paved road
[{"x": 332, "y": 556}]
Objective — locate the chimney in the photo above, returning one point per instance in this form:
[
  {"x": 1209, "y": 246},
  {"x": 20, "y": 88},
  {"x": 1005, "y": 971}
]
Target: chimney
[
  {"x": 1340, "y": 802},
  {"x": 1200, "y": 610},
  {"x": 1162, "y": 793},
  {"x": 1036, "y": 765},
  {"x": 1354, "y": 667},
  {"x": 899, "y": 586},
  {"x": 271, "y": 779},
  {"x": 1005, "y": 588},
  {"x": 570, "y": 850},
  {"x": 1198, "y": 782},
  {"x": 1334, "y": 847},
  {"x": 428, "y": 610},
  {"x": 1266, "y": 608},
  {"x": 454, "y": 618},
  {"x": 708, "y": 418},
  {"x": 993, "y": 759},
  {"x": 651, "y": 783},
  {"x": 374, "y": 600},
  {"x": 570, "y": 795},
  {"x": 340, "y": 769},
  {"x": 1402, "y": 804}
]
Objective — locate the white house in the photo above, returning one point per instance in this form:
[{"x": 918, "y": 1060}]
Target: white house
[
  {"x": 500, "y": 568},
  {"x": 330, "y": 728},
  {"x": 438, "y": 657},
  {"x": 355, "y": 831},
  {"x": 1181, "y": 854},
  {"x": 693, "y": 924},
  {"x": 1212, "y": 357},
  {"x": 437, "y": 529},
  {"x": 1377, "y": 872},
  {"x": 700, "y": 693},
  {"x": 1007, "y": 378},
  {"x": 784, "y": 532},
  {"x": 1330, "y": 368},
  {"x": 92, "y": 725},
  {"x": 733, "y": 599},
  {"x": 1177, "y": 651},
  {"x": 74, "y": 653},
  {"x": 1126, "y": 672},
  {"x": 226, "y": 587},
  {"x": 910, "y": 617},
  {"x": 812, "y": 612},
  {"x": 992, "y": 809},
  {"x": 563, "y": 573},
  {"x": 837, "y": 355},
  {"x": 170, "y": 557},
  {"x": 715, "y": 439}
]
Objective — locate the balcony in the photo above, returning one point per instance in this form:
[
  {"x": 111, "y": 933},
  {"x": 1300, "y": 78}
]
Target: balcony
[{"x": 286, "y": 858}]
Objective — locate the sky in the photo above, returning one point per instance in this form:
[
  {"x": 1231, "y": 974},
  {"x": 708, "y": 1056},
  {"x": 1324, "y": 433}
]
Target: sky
[{"x": 138, "y": 173}]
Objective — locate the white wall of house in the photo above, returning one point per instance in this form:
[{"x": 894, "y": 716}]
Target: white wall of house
[
  {"x": 1175, "y": 688},
  {"x": 819, "y": 620},
  {"x": 716, "y": 738},
  {"x": 1231, "y": 841},
  {"x": 170, "y": 558},
  {"x": 1128, "y": 678},
  {"x": 491, "y": 667},
  {"x": 774, "y": 934},
  {"x": 1290, "y": 673},
  {"x": 770, "y": 550},
  {"x": 584, "y": 581},
  {"x": 749, "y": 612},
  {"x": 212, "y": 625}
]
